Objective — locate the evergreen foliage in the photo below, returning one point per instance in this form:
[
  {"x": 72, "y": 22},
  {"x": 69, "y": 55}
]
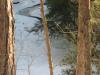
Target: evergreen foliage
[{"x": 61, "y": 17}]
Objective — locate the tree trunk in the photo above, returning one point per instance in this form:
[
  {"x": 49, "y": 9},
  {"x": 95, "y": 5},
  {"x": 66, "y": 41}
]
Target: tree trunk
[
  {"x": 7, "y": 58},
  {"x": 83, "y": 42},
  {"x": 46, "y": 37}
]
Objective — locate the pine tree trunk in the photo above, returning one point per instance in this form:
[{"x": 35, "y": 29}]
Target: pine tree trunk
[
  {"x": 83, "y": 42},
  {"x": 46, "y": 37},
  {"x": 7, "y": 59}
]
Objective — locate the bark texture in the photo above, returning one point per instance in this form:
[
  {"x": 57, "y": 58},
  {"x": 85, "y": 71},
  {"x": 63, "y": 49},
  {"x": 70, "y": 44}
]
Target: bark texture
[
  {"x": 7, "y": 54},
  {"x": 83, "y": 42},
  {"x": 46, "y": 37}
]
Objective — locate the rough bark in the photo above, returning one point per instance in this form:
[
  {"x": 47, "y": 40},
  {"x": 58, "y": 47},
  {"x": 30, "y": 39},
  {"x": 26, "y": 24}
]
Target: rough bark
[
  {"x": 46, "y": 36},
  {"x": 83, "y": 42},
  {"x": 7, "y": 59}
]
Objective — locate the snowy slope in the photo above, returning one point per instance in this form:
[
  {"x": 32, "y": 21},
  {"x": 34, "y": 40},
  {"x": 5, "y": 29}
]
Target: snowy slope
[{"x": 31, "y": 53}]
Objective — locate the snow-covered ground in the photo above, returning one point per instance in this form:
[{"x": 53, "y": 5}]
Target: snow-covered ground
[{"x": 31, "y": 53}]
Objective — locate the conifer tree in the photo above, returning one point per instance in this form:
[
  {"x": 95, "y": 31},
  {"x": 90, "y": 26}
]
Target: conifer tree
[{"x": 7, "y": 54}]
